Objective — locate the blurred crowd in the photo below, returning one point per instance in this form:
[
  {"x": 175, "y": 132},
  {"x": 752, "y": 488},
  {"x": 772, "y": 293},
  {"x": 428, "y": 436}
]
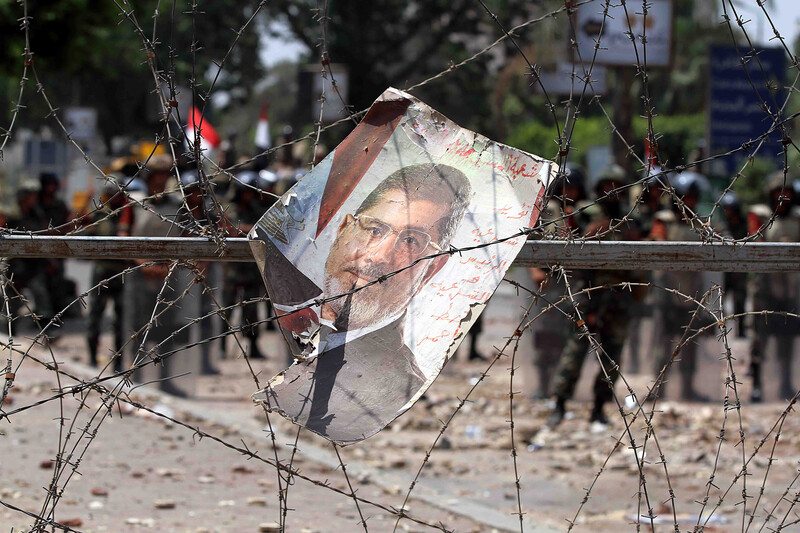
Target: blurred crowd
[
  {"x": 157, "y": 196},
  {"x": 154, "y": 195},
  {"x": 613, "y": 314}
]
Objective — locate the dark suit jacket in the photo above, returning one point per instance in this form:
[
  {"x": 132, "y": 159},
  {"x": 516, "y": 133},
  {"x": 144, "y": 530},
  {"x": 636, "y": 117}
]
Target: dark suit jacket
[{"x": 350, "y": 392}]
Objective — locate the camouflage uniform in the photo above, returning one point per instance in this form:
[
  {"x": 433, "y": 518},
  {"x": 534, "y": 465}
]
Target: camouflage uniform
[
  {"x": 606, "y": 311},
  {"x": 31, "y": 274},
  {"x": 558, "y": 220},
  {"x": 735, "y": 283},
  {"x": 675, "y": 311},
  {"x": 56, "y": 213},
  {"x": 141, "y": 289},
  {"x": 243, "y": 280},
  {"x": 641, "y": 308},
  {"x": 776, "y": 292},
  {"x": 551, "y": 330},
  {"x": 111, "y": 288}
]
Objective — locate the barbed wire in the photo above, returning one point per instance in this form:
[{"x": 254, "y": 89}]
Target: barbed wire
[{"x": 75, "y": 438}]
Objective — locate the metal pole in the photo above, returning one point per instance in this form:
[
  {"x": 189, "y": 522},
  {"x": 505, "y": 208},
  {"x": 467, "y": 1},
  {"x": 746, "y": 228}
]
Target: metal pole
[{"x": 624, "y": 255}]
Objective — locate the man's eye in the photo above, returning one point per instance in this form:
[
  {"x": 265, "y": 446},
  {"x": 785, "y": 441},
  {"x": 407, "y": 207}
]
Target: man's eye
[
  {"x": 411, "y": 242},
  {"x": 374, "y": 231}
]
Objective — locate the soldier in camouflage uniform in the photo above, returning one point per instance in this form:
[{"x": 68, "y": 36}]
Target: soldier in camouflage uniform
[
  {"x": 143, "y": 286},
  {"x": 243, "y": 280},
  {"x": 31, "y": 274},
  {"x": 605, "y": 311},
  {"x": 676, "y": 310},
  {"x": 199, "y": 216},
  {"x": 735, "y": 283},
  {"x": 558, "y": 221},
  {"x": 777, "y": 292},
  {"x": 56, "y": 213},
  {"x": 104, "y": 222},
  {"x": 645, "y": 215}
]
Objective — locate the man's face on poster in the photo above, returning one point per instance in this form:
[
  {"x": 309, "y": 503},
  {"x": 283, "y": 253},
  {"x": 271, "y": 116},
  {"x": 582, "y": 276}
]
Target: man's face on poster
[{"x": 384, "y": 238}]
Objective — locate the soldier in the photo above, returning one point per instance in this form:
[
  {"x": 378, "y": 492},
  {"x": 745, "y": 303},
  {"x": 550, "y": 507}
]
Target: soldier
[
  {"x": 56, "y": 214},
  {"x": 31, "y": 274},
  {"x": 55, "y": 210},
  {"x": 735, "y": 283},
  {"x": 104, "y": 222},
  {"x": 776, "y": 292},
  {"x": 243, "y": 280},
  {"x": 650, "y": 203},
  {"x": 605, "y": 311},
  {"x": 198, "y": 216},
  {"x": 559, "y": 221},
  {"x": 144, "y": 285},
  {"x": 676, "y": 310}
]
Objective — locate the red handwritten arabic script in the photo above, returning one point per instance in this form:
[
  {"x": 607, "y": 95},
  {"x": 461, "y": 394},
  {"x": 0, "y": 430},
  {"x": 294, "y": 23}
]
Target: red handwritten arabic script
[{"x": 510, "y": 164}]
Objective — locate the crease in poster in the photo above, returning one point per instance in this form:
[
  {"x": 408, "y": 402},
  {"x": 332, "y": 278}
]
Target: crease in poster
[{"x": 383, "y": 256}]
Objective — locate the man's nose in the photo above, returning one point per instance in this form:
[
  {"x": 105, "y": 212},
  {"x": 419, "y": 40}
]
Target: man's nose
[{"x": 382, "y": 252}]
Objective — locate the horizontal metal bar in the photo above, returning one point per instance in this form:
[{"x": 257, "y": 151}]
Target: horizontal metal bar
[{"x": 625, "y": 255}]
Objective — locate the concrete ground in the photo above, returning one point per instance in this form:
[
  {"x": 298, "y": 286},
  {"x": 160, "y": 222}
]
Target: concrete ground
[{"x": 163, "y": 477}]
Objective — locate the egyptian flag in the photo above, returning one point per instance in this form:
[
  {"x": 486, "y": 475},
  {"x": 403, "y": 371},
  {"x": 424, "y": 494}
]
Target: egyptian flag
[
  {"x": 262, "y": 139},
  {"x": 209, "y": 138}
]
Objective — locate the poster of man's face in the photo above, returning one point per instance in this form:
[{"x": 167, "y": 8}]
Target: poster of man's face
[{"x": 380, "y": 259}]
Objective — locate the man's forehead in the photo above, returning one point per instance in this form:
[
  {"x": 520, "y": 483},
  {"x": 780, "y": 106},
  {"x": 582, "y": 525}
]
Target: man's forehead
[{"x": 396, "y": 203}]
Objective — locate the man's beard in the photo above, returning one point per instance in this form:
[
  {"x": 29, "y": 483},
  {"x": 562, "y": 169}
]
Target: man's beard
[{"x": 363, "y": 307}]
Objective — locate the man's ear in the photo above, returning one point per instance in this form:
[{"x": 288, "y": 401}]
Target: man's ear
[{"x": 436, "y": 265}]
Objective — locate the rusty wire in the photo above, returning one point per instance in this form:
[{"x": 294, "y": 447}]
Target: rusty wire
[{"x": 75, "y": 440}]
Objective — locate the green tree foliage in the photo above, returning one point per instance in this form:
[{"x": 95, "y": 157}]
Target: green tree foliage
[
  {"x": 389, "y": 43},
  {"x": 89, "y": 53},
  {"x": 679, "y": 136}
]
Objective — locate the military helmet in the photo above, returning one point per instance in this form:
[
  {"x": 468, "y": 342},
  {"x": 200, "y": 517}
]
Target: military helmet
[
  {"x": 189, "y": 177},
  {"x": 135, "y": 185},
  {"x": 159, "y": 163},
  {"x": 246, "y": 179},
  {"x": 613, "y": 172},
  {"x": 112, "y": 184},
  {"x": 730, "y": 199},
  {"x": 266, "y": 179},
  {"x": 29, "y": 185},
  {"x": 779, "y": 180},
  {"x": 48, "y": 178},
  {"x": 689, "y": 182},
  {"x": 573, "y": 175},
  {"x": 656, "y": 177}
]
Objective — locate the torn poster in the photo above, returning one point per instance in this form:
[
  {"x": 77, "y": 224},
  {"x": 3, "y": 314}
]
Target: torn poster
[{"x": 360, "y": 262}]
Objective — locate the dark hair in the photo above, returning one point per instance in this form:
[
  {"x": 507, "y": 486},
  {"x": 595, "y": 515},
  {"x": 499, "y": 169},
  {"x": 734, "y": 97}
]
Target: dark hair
[
  {"x": 47, "y": 178},
  {"x": 442, "y": 184}
]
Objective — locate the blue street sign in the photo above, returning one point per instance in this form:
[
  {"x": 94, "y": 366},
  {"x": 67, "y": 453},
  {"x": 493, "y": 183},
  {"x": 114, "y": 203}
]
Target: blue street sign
[{"x": 736, "y": 111}]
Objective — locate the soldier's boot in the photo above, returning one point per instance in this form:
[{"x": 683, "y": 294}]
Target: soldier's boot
[
  {"x": 543, "y": 373},
  {"x": 474, "y": 354},
  {"x": 253, "y": 352},
  {"x": 740, "y": 329},
  {"x": 93, "y": 341},
  {"x": 118, "y": 343},
  {"x": 223, "y": 354},
  {"x": 787, "y": 390},
  {"x": 557, "y": 416},
  {"x": 597, "y": 414},
  {"x": 688, "y": 394},
  {"x": 756, "y": 396},
  {"x": 634, "y": 341},
  {"x": 173, "y": 390},
  {"x": 207, "y": 368}
]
